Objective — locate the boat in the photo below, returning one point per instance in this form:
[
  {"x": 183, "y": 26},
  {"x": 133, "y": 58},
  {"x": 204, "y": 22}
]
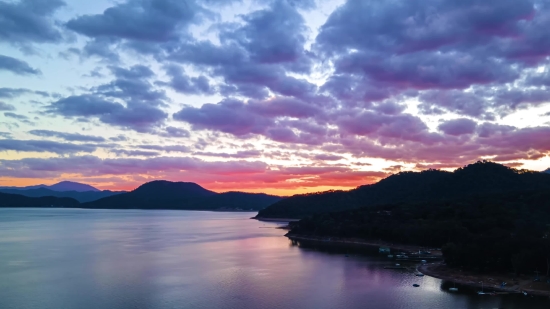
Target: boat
[
  {"x": 416, "y": 285},
  {"x": 420, "y": 275},
  {"x": 454, "y": 288},
  {"x": 390, "y": 256}
]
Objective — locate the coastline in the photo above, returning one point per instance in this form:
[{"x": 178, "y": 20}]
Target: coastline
[
  {"x": 275, "y": 219},
  {"x": 361, "y": 242},
  {"x": 491, "y": 282}
]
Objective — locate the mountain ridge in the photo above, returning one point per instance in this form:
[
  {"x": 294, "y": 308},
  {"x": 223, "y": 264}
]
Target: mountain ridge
[
  {"x": 480, "y": 178},
  {"x": 61, "y": 186}
]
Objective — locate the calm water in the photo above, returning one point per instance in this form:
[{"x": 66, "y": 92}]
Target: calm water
[{"x": 72, "y": 258}]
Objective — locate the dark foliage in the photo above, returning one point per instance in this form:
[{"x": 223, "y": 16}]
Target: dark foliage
[
  {"x": 502, "y": 232},
  {"x": 15, "y": 200},
  {"x": 481, "y": 178}
]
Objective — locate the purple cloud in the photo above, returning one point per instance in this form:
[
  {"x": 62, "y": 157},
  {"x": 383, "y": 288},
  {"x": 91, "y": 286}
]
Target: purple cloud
[{"x": 458, "y": 126}]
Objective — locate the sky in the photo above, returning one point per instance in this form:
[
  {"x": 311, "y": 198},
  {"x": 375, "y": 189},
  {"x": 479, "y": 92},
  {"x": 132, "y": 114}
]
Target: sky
[{"x": 276, "y": 96}]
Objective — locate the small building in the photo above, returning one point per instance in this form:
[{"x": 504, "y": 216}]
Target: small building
[{"x": 384, "y": 250}]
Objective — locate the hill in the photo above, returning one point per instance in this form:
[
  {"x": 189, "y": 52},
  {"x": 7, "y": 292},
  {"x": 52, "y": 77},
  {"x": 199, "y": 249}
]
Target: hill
[
  {"x": 59, "y": 187},
  {"x": 86, "y": 196},
  {"x": 16, "y": 200},
  {"x": 498, "y": 232},
  {"x": 480, "y": 178},
  {"x": 182, "y": 195}
]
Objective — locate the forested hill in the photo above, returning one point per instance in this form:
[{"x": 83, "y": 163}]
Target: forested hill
[
  {"x": 499, "y": 232},
  {"x": 182, "y": 195},
  {"x": 16, "y": 200},
  {"x": 478, "y": 179}
]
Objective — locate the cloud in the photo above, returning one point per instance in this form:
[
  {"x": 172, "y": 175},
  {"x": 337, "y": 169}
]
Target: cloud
[
  {"x": 6, "y": 107},
  {"x": 459, "y": 59},
  {"x": 10, "y": 93},
  {"x": 256, "y": 54},
  {"x": 184, "y": 84},
  {"x": 44, "y": 146},
  {"x": 139, "y": 20},
  {"x": 72, "y": 137},
  {"x": 229, "y": 116},
  {"x": 17, "y": 66},
  {"x": 458, "y": 126},
  {"x": 175, "y": 132},
  {"x": 29, "y": 21},
  {"x": 129, "y": 101},
  {"x": 20, "y": 118}
]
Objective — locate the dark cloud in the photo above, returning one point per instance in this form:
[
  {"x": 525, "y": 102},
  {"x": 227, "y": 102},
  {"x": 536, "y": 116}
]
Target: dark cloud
[
  {"x": 137, "y": 116},
  {"x": 458, "y": 126},
  {"x": 132, "y": 85},
  {"x": 140, "y": 20},
  {"x": 5, "y": 135},
  {"x": 256, "y": 54},
  {"x": 6, "y": 107},
  {"x": 43, "y": 146},
  {"x": 229, "y": 116},
  {"x": 439, "y": 49},
  {"x": 175, "y": 132},
  {"x": 72, "y": 137},
  {"x": 17, "y": 66},
  {"x": 182, "y": 83},
  {"x": 29, "y": 21}
]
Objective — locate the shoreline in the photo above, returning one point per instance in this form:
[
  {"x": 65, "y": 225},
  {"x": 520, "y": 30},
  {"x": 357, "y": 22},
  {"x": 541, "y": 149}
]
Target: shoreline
[
  {"x": 491, "y": 282},
  {"x": 275, "y": 219},
  {"x": 361, "y": 242}
]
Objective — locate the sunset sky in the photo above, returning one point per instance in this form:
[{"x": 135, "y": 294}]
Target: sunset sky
[{"x": 269, "y": 96}]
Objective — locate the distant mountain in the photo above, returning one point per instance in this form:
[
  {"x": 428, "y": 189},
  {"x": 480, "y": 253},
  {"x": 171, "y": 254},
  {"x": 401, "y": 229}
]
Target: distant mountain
[
  {"x": 59, "y": 187},
  {"x": 547, "y": 171},
  {"x": 163, "y": 194},
  {"x": 17, "y": 200},
  {"x": 72, "y": 186},
  {"x": 479, "y": 179},
  {"x": 86, "y": 196}
]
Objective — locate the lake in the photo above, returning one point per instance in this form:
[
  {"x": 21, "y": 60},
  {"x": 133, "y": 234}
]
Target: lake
[{"x": 76, "y": 258}]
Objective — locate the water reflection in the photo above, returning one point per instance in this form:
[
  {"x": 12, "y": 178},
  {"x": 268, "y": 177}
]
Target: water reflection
[{"x": 71, "y": 258}]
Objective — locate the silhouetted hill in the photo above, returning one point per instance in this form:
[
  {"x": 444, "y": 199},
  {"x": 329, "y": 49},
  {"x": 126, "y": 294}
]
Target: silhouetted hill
[
  {"x": 16, "y": 200},
  {"x": 503, "y": 232},
  {"x": 481, "y": 178},
  {"x": 181, "y": 195},
  {"x": 547, "y": 171},
  {"x": 60, "y": 186},
  {"x": 86, "y": 196},
  {"x": 239, "y": 200},
  {"x": 71, "y": 186}
]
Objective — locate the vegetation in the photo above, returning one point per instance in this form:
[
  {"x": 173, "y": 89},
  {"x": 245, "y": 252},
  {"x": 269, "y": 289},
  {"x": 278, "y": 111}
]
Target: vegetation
[
  {"x": 15, "y": 200},
  {"x": 481, "y": 178},
  {"x": 489, "y": 229}
]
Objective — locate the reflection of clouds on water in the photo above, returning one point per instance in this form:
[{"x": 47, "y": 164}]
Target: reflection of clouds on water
[{"x": 187, "y": 259}]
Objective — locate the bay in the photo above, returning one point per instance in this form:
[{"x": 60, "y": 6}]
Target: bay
[{"x": 76, "y": 258}]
